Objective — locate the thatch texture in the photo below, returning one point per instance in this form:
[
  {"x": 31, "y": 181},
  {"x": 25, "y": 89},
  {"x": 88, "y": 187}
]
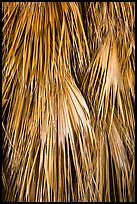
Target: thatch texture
[{"x": 68, "y": 98}]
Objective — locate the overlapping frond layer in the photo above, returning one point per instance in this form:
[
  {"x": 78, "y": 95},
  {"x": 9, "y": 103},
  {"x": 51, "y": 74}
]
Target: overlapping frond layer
[
  {"x": 102, "y": 17},
  {"x": 49, "y": 146},
  {"x": 68, "y": 96},
  {"x": 109, "y": 89},
  {"x": 47, "y": 132},
  {"x": 113, "y": 162}
]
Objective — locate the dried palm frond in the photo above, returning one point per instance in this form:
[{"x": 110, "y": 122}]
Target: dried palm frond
[
  {"x": 68, "y": 80},
  {"x": 109, "y": 88},
  {"x": 48, "y": 125}
]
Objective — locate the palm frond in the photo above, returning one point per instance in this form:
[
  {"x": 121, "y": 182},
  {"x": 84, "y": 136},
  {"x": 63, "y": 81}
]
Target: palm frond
[
  {"x": 68, "y": 96},
  {"x": 108, "y": 86},
  {"x": 49, "y": 112}
]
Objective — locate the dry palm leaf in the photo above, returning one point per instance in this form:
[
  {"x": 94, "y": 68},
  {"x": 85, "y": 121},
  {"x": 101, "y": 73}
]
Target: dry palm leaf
[
  {"x": 109, "y": 89},
  {"x": 47, "y": 129},
  {"x": 54, "y": 149}
]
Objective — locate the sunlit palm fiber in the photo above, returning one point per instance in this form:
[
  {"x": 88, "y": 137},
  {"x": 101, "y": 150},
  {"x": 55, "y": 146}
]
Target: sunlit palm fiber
[
  {"x": 57, "y": 144},
  {"x": 108, "y": 87},
  {"x": 48, "y": 116}
]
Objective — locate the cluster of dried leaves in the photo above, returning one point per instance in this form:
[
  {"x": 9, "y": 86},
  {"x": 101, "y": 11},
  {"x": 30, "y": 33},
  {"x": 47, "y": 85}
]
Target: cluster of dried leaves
[{"x": 68, "y": 96}]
